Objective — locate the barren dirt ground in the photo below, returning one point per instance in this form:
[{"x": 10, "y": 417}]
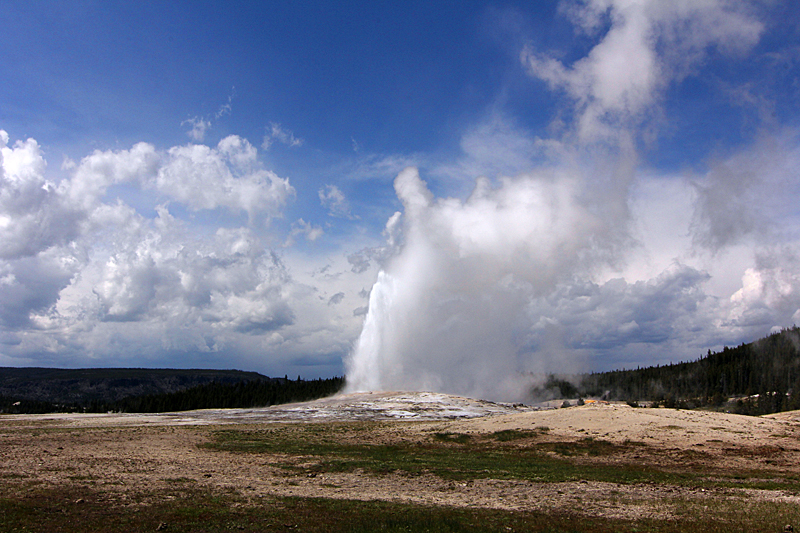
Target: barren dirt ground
[{"x": 126, "y": 456}]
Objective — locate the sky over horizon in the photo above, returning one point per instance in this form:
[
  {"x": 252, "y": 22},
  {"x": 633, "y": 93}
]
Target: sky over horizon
[{"x": 535, "y": 187}]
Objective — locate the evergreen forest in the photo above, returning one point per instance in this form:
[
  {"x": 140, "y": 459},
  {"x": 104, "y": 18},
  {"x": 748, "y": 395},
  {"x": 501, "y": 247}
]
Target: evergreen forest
[
  {"x": 757, "y": 378},
  {"x": 261, "y": 392}
]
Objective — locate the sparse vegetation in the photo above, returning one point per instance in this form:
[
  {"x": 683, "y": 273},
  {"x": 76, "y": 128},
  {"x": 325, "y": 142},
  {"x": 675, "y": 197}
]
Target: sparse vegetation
[{"x": 458, "y": 438}]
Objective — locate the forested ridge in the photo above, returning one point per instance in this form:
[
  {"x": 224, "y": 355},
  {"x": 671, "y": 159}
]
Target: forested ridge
[
  {"x": 82, "y": 385},
  {"x": 761, "y": 377},
  {"x": 103, "y": 390},
  {"x": 258, "y": 393}
]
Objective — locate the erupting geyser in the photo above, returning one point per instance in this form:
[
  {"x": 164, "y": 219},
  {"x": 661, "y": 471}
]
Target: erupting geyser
[{"x": 454, "y": 310}]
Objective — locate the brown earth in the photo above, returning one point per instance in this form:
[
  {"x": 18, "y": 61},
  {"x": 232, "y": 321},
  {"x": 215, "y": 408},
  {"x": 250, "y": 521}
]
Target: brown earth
[{"x": 127, "y": 457}]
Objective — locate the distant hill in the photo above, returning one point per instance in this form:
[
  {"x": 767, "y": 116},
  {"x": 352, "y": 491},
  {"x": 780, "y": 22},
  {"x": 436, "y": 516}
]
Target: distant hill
[{"x": 106, "y": 385}]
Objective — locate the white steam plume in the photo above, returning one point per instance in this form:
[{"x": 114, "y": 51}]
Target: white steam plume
[{"x": 449, "y": 311}]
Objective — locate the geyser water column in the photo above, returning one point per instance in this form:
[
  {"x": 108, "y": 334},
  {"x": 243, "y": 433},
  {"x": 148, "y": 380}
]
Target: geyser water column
[
  {"x": 449, "y": 312},
  {"x": 366, "y": 369}
]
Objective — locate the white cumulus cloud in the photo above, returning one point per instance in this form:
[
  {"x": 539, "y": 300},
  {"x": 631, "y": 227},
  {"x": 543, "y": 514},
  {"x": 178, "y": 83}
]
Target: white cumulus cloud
[
  {"x": 228, "y": 176},
  {"x": 645, "y": 46}
]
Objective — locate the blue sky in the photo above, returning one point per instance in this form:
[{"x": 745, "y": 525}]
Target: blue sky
[{"x": 215, "y": 184}]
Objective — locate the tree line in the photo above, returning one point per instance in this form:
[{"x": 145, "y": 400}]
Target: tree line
[
  {"x": 762, "y": 377},
  {"x": 244, "y": 394}
]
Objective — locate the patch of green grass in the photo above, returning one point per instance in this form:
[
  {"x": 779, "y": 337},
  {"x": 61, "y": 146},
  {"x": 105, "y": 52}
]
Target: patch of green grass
[
  {"x": 587, "y": 446},
  {"x": 739, "y": 514},
  {"x": 788, "y": 483},
  {"x": 458, "y": 438},
  {"x": 476, "y": 458},
  {"x": 506, "y": 435}
]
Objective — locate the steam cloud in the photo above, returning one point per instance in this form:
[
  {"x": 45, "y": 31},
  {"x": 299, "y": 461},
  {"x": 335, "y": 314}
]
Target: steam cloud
[
  {"x": 464, "y": 305},
  {"x": 449, "y": 313}
]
